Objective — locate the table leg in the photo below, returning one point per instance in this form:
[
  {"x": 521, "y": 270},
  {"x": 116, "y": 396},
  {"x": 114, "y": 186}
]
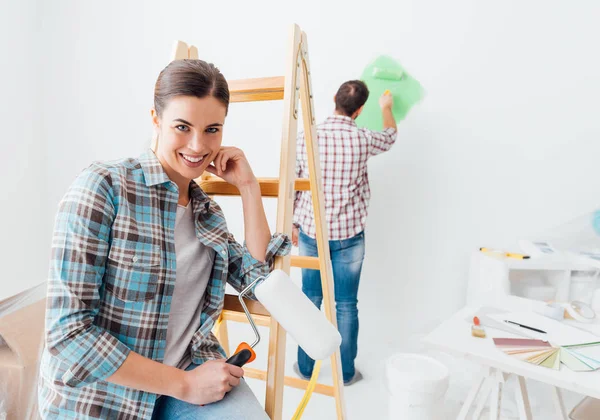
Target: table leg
[
  {"x": 485, "y": 395},
  {"x": 559, "y": 403},
  {"x": 496, "y": 397},
  {"x": 464, "y": 411},
  {"x": 522, "y": 398}
]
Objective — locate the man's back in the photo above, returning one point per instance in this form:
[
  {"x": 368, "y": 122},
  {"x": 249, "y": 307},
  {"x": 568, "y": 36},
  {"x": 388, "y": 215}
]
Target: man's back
[{"x": 344, "y": 150}]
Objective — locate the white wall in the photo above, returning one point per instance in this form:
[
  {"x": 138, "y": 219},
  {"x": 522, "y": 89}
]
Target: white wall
[
  {"x": 25, "y": 232},
  {"x": 504, "y": 145}
]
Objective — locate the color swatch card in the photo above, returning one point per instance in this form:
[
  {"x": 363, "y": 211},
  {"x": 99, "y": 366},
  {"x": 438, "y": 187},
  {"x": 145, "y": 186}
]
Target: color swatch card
[
  {"x": 589, "y": 354},
  {"x": 583, "y": 357}
]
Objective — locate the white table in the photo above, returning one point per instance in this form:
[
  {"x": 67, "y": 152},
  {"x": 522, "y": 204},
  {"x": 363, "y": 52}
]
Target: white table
[{"x": 454, "y": 336}]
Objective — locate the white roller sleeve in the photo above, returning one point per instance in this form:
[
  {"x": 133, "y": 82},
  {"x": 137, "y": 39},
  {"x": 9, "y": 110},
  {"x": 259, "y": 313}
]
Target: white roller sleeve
[{"x": 298, "y": 315}]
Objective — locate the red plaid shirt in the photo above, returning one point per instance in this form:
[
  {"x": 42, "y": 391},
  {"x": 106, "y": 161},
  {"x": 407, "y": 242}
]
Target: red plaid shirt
[{"x": 344, "y": 150}]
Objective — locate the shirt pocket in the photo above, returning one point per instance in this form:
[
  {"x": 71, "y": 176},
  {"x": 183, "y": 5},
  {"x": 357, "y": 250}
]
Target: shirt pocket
[{"x": 132, "y": 270}]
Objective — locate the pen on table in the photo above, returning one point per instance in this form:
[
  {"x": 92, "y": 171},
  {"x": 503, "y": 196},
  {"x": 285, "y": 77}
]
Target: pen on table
[{"x": 525, "y": 326}]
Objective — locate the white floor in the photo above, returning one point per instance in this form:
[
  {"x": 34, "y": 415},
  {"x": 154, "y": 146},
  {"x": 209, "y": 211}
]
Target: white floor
[{"x": 368, "y": 399}]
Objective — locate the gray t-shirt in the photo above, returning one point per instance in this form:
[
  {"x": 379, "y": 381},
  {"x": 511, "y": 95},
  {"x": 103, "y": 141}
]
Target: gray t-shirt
[{"x": 194, "y": 265}]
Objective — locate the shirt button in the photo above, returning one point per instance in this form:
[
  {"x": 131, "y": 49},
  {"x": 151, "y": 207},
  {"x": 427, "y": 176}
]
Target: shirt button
[
  {"x": 135, "y": 258},
  {"x": 223, "y": 252}
]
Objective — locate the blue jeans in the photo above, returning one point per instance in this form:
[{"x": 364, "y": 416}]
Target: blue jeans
[
  {"x": 346, "y": 259},
  {"x": 239, "y": 403}
]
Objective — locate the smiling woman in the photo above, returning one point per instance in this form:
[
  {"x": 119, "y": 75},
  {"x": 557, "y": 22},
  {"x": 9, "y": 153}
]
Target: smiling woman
[
  {"x": 191, "y": 99},
  {"x": 140, "y": 259},
  {"x": 189, "y": 133}
]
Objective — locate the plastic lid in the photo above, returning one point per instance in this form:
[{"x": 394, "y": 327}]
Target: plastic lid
[{"x": 421, "y": 367}]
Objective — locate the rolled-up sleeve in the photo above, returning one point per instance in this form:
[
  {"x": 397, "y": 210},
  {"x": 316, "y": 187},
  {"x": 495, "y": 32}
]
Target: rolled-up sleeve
[
  {"x": 244, "y": 268},
  {"x": 80, "y": 245},
  {"x": 380, "y": 141}
]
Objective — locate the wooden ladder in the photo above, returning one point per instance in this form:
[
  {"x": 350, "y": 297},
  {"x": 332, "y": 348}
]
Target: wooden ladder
[{"x": 292, "y": 88}]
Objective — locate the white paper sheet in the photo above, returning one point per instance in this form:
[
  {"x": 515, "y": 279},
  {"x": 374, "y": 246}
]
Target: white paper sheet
[{"x": 557, "y": 333}]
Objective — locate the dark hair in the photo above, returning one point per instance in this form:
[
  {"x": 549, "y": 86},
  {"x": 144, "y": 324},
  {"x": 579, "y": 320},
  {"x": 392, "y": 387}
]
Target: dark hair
[
  {"x": 190, "y": 77},
  {"x": 350, "y": 96}
]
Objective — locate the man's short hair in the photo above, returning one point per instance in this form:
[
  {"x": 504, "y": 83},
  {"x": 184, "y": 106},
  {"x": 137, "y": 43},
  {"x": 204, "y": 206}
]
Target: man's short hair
[{"x": 351, "y": 96}]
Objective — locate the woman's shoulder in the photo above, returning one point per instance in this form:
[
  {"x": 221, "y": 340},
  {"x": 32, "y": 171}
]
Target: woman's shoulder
[
  {"x": 112, "y": 168},
  {"x": 116, "y": 166},
  {"x": 108, "y": 173}
]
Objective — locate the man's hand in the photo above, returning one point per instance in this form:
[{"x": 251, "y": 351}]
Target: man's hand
[
  {"x": 295, "y": 233},
  {"x": 386, "y": 101}
]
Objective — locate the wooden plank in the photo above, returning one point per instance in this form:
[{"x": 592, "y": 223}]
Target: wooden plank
[
  {"x": 287, "y": 174},
  {"x": 235, "y": 316},
  {"x": 305, "y": 262},
  {"x": 222, "y": 334},
  {"x": 302, "y": 184},
  {"x": 193, "y": 52},
  {"x": 259, "y": 89},
  {"x": 232, "y": 303},
  {"x": 289, "y": 381},
  {"x": 302, "y": 384},
  {"x": 269, "y": 187},
  {"x": 180, "y": 51},
  {"x": 318, "y": 198}
]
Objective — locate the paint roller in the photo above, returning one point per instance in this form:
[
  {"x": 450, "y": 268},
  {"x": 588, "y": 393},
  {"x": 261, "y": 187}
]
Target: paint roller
[{"x": 302, "y": 320}]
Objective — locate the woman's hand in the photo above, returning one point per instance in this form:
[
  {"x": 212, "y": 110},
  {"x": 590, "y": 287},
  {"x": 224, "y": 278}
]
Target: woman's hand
[
  {"x": 210, "y": 381},
  {"x": 231, "y": 165}
]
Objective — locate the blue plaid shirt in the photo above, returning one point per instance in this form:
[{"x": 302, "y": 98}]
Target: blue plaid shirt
[{"x": 111, "y": 281}]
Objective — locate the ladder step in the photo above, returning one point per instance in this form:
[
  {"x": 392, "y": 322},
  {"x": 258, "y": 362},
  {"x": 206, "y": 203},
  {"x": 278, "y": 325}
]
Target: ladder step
[
  {"x": 305, "y": 262},
  {"x": 269, "y": 187},
  {"x": 289, "y": 381},
  {"x": 233, "y": 311},
  {"x": 232, "y": 303},
  {"x": 262, "y": 320},
  {"x": 259, "y": 89}
]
